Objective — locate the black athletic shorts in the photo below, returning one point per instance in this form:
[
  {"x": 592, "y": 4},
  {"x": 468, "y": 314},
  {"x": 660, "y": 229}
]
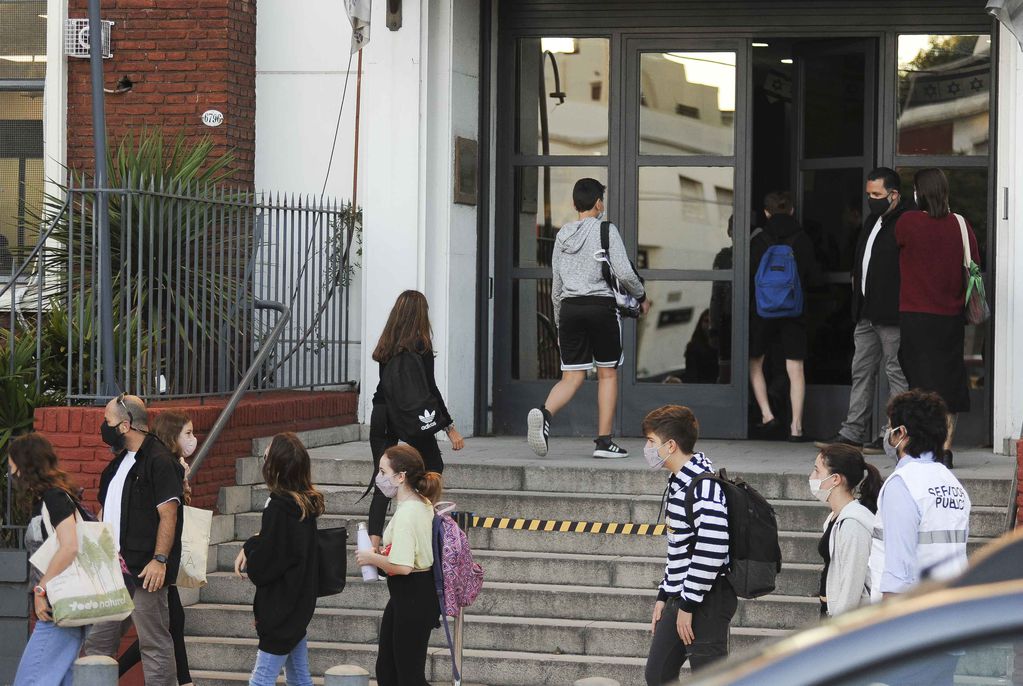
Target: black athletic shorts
[
  {"x": 787, "y": 333},
  {"x": 590, "y": 333}
]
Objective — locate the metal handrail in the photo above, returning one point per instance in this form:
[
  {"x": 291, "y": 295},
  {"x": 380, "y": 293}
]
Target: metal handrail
[{"x": 243, "y": 385}]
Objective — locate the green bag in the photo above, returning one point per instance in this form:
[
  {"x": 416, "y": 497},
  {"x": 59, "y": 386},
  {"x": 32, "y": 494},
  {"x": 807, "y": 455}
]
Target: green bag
[{"x": 975, "y": 307}]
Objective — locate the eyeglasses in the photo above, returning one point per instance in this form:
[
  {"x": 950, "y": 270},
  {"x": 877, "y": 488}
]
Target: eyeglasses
[{"x": 120, "y": 401}]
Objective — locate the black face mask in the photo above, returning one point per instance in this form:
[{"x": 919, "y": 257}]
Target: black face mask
[
  {"x": 879, "y": 206},
  {"x": 111, "y": 436}
]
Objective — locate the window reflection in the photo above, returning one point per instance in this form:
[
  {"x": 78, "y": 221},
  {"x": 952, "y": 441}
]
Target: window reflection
[
  {"x": 543, "y": 204},
  {"x": 832, "y": 214},
  {"x": 22, "y": 40},
  {"x": 984, "y": 661},
  {"x": 21, "y": 171},
  {"x": 685, "y": 217},
  {"x": 534, "y": 336},
  {"x": 682, "y": 338},
  {"x": 944, "y": 94},
  {"x": 687, "y": 103},
  {"x": 835, "y": 87},
  {"x": 569, "y": 77}
]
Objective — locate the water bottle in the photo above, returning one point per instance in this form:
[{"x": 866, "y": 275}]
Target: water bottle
[{"x": 369, "y": 572}]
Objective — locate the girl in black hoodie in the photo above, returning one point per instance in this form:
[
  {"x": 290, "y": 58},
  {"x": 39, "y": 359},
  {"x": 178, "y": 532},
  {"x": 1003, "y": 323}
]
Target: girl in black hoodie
[{"x": 281, "y": 560}]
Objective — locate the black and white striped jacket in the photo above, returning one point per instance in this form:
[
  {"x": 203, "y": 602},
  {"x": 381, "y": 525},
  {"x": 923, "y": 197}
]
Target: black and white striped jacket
[{"x": 690, "y": 579}]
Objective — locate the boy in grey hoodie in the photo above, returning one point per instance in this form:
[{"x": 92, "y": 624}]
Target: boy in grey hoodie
[{"x": 589, "y": 326}]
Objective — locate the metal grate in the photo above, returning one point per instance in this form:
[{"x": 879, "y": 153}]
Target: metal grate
[{"x": 76, "y": 38}]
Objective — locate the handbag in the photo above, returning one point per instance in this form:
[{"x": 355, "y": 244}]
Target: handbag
[
  {"x": 91, "y": 590},
  {"x": 195, "y": 547},
  {"x": 332, "y": 556},
  {"x": 975, "y": 307}
]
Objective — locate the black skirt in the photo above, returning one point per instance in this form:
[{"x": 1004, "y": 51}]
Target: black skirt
[{"x": 931, "y": 354}]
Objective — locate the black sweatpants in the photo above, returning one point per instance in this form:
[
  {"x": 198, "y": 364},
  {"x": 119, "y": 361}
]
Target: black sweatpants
[
  {"x": 133, "y": 655},
  {"x": 380, "y": 439},
  {"x": 710, "y": 628},
  {"x": 411, "y": 614}
]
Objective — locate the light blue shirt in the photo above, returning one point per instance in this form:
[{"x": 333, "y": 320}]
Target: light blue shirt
[{"x": 900, "y": 518}]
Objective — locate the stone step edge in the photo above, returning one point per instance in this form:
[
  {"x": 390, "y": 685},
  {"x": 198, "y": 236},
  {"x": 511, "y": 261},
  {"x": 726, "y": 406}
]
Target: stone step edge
[
  {"x": 206, "y": 676},
  {"x": 319, "y": 438}
]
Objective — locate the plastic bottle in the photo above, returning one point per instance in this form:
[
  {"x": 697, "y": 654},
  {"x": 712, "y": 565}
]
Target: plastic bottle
[{"x": 369, "y": 572}]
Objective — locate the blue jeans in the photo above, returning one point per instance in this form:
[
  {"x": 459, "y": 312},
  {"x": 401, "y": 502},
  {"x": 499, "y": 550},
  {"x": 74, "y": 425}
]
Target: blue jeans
[
  {"x": 295, "y": 664},
  {"x": 50, "y": 654}
]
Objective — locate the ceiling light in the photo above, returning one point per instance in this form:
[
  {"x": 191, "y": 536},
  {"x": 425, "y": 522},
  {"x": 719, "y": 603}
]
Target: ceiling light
[
  {"x": 563, "y": 45},
  {"x": 761, "y": 45},
  {"x": 787, "y": 60},
  {"x": 42, "y": 16},
  {"x": 23, "y": 58}
]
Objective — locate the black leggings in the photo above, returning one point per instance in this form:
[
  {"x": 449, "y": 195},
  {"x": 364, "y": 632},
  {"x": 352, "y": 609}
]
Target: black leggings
[
  {"x": 379, "y": 441},
  {"x": 132, "y": 656},
  {"x": 411, "y": 614}
]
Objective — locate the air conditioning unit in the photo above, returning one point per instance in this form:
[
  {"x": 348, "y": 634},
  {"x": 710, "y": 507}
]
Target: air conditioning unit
[{"x": 76, "y": 38}]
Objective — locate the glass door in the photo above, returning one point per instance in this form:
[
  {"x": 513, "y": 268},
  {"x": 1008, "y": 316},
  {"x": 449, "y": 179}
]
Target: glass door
[{"x": 683, "y": 181}]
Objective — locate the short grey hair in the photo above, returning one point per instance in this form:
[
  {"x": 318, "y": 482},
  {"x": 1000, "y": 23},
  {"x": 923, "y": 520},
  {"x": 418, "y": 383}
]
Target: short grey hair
[{"x": 132, "y": 408}]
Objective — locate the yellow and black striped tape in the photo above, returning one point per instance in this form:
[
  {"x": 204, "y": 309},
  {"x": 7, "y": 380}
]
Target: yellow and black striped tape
[{"x": 568, "y": 526}]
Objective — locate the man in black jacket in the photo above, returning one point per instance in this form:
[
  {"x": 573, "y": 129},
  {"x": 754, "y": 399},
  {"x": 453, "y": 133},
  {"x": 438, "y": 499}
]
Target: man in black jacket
[
  {"x": 140, "y": 493},
  {"x": 875, "y": 308}
]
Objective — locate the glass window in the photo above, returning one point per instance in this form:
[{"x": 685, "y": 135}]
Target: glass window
[
  {"x": 543, "y": 204},
  {"x": 829, "y": 330},
  {"x": 562, "y": 96},
  {"x": 21, "y": 171},
  {"x": 682, "y": 338},
  {"x": 833, "y": 103},
  {"x": 22, "y": 39},
  {"x": 967, "y": 195},
  {"x": 687, "y": 103},
  {"x": 534, "y": 337},
  {"x": 685, "y": 217},
  {"x": 832, "y": 214},
  {"x": 944, "y": 95}
]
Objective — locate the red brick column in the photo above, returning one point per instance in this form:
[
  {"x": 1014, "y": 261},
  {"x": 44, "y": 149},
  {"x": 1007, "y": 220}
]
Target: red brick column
[
  {"x": 74, "y": 432},
  {"x": 184, "y": 57}
]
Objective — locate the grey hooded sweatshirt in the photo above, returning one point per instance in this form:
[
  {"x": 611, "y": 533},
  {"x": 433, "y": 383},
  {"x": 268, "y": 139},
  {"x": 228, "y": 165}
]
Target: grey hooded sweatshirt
[
  {"x": 848, "y": 582},
  {"x": 577, "y": 272}
]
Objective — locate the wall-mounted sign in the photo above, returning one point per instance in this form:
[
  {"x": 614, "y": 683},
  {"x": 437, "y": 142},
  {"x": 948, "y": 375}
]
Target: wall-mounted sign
[
  {"x": 465, "y": 171},
  {"x": 212, "y": 117}
]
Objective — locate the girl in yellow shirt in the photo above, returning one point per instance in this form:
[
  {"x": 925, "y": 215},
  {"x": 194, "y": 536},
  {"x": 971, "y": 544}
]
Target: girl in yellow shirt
[{"x": 407, "y": 558}]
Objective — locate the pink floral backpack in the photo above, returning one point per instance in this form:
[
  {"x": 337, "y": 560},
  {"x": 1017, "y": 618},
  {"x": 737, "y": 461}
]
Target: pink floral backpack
[{"x": 457, "y": 578}]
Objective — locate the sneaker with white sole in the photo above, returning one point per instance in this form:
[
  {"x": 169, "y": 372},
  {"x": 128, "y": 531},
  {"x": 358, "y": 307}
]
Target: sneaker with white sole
[
  {"x": 607, "y": 448},
  {"x": 539, "y": 431}
]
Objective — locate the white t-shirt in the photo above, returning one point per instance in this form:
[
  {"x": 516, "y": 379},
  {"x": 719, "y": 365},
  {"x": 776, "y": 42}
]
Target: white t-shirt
[
  {"x": 112, "y": 503},
  {"x": 866, "y": 254}
]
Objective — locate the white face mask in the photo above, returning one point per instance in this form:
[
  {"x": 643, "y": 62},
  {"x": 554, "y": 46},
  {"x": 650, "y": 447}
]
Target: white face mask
[
  {"x": 818, "y": 493},
  {"x": 387, "y": 485},
  {"x": 188, "y": 444}
]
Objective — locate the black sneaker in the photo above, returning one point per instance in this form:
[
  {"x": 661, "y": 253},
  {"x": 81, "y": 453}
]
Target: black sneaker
[
  {"x": 606, "y": 448},
  {"x": 539, "y": 432},
  {"x": 875, "y": 447},
  {"x": 839, "y": 438}
]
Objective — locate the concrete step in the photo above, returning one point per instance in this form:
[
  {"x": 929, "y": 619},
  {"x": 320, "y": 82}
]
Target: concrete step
[
  {"x": 532, "y": 634},
  {"x": 508, "y": 668},
  {"x": 217, "y": 678},
  {"x": 617, "y": 571},
  {"x": 504, "y": 599},
  {"x": 621, "y": 477}
]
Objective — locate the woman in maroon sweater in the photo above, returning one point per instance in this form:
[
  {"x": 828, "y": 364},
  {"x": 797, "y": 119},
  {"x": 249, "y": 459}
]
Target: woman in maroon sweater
[{"x": 931, "y": 298}]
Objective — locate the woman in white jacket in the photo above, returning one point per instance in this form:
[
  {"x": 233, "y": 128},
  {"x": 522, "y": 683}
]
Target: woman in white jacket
[{"x": 840, "y": 474}]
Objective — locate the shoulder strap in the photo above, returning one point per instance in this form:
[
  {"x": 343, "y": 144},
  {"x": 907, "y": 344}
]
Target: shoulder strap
[
  {"x": 967, "y": 258},
  {"x": 605, "y": 237},
  {"x": 690, "y": 500}
]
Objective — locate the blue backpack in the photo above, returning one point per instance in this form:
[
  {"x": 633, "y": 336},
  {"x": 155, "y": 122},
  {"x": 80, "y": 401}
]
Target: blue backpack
[{"x": 777, "y": 288}]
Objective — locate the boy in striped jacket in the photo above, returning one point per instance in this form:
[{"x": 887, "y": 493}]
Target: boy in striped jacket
[{"x": 695, "y": 603}]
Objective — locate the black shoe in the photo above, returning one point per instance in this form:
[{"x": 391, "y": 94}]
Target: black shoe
[
  {"x": 792, "y": 438},
  {"x": 839, "y": 438},
  {"x": 607, "y": 448},
  {"x": 946, "y": 459},
  {"x": 539, "y": 430},
  {"x": 875, "y": 447}
]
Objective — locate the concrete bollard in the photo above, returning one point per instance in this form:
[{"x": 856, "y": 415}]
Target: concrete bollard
[
  {"x": 342, "y": 675},
  {"x": 588, "y": 681},
  {"x": 95, "y": 670}
]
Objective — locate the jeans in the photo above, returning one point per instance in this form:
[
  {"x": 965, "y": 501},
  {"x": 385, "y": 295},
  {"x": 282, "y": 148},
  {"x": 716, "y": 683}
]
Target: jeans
[
  {"x": 295, "y": 664},
  {"x": 710, "y": 628},
  {"x": 49, "y": 656},
  {"x": 151, "y": 618},
  {"x": 876, "y": 345}
]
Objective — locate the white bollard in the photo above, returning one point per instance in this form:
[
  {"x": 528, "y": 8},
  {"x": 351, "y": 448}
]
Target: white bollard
[
  {"x": 588, "y": 681},
  {"x": 342, "y": 675},
  {"x": 95, "y": 670}
]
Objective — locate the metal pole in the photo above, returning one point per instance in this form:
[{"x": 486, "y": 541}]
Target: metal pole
[{"x": 108, "y": 385}]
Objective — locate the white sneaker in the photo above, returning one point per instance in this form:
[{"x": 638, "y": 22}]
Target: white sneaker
[
  {"x": 606, "y": 448},
  {"x": 539, "y": 432}
]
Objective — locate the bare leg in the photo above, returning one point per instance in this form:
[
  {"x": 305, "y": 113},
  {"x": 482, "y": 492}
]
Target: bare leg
[
  {"x": 951, "y": 420},
  {"x": 607, "y": 398},
  {"x": 756, "y": 378},
  {"x": 797, "y": 393},
  {"x": 564, "y": 390}
]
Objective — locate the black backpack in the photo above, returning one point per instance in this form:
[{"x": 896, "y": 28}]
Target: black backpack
[
  {"x": 413, "y": 411},
  {"x": 625, "y": 303},
  {"x": 752, "y": 535}
]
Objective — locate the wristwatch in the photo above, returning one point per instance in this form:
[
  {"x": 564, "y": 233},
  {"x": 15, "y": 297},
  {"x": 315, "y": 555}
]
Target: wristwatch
[
  {"x": 39, "y": 591},
  {"x": 162, "y": 559}
]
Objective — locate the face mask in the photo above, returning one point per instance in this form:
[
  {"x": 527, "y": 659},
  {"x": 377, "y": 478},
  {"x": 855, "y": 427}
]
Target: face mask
[
  {"x": 879, "y": 206},
  {"x": 111, "y": 436},
  {"x": 187, "y": 445},
  {"x": 892, "y": 451},
  {"x": 386, "y": 486},
  {"x": 815, "y": 488},
  {"x": 653, "y": 456}
]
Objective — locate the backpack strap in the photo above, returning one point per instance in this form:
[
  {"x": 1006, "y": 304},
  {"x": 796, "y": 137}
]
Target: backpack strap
[
  {"x": 605, "y": 264},
  {"x": 438, "y": 583},
  {"x": 690, "y": 500}
]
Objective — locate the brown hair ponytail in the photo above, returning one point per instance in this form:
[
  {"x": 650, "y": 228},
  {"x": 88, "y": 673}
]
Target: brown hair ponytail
[
  {"x": 859, "y": 474},
  {"x": 405, "y": 458}
]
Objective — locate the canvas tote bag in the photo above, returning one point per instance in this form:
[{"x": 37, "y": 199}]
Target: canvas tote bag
[
  {"x": 195, "y": 547},
  {"x": 91, "y": 589},
  {"x": 976, "y": 308}
]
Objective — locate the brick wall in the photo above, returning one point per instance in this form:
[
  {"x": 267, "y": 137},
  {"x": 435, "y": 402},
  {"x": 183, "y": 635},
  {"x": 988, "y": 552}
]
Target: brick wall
[
  {"x": 184, "y": 57},
  {"x": 74, "y": 432}
]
